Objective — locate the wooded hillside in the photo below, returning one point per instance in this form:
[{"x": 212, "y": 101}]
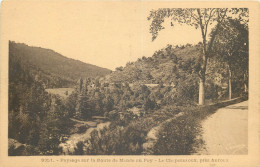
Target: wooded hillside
[{"x": 52, "y": 68}]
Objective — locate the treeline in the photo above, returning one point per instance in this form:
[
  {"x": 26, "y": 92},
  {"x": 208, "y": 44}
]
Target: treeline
[{"x": 100, "y": 96}]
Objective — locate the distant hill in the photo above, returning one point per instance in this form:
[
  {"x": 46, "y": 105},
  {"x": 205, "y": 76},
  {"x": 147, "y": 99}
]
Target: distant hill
[
  {"x": 52, "y": 68},
  {"x": 162, "y": 67}
]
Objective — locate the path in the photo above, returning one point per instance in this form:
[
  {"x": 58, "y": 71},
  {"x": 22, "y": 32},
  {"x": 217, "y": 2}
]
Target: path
[{"x": 225, "y": 132}]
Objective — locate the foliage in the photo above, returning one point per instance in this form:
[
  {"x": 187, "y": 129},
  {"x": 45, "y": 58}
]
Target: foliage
[
  {"x": 127, "y": 139},
  {"x": 231, "y": 48},
  {"x": 118, "y": 140},
  {"x": 193, "y": 17},
  {"x": 177, "y": 137},
  {"x": 181, "y": 136},
  {"x": 79, "y": 149},
  {"x": 51, "y": 68},
  {"x": 174, "y": 74},
  {"x": 24, "y": 150},
  {"x": 135, "y": 98},
  {"x": 36, "y": 119},
  {"x": 53, "y": 128},
  {"x": 199, "y": 18}
]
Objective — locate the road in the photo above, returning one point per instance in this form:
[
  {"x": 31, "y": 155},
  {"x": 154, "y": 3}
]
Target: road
[{"x": 226, "y": 131}]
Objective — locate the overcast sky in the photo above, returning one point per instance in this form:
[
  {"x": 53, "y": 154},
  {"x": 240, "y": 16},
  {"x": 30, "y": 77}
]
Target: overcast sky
[{"x": 106, "y": 34}]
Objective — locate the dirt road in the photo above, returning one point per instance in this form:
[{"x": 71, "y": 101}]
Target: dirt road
[{"x": 225, "y": 132}]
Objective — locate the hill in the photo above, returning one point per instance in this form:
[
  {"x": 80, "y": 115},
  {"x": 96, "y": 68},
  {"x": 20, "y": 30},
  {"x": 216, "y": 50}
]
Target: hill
[
  {"x": 160, "y": 67},
  {"x": 52, "y": 68}
]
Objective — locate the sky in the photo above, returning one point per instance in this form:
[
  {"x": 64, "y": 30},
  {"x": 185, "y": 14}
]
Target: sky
[{"x": 106, "y": 34}]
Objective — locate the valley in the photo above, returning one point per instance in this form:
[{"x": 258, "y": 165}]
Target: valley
[{"x": 156, "y": 105}]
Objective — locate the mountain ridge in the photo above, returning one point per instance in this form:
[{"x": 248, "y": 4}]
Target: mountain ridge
[{"x": 49, "y": 64}]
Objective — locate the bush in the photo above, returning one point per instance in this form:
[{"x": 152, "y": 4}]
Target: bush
[
  {"x": 82, "y": 129},
  {"x": 106, "y": 142},
  {"x": 118, "y": 140},
  {"x": 187, "y": 92},
  {"x": 211, "y": 91},
  {"x": 22, "y": 150},
  {"x": 180, "y": 136},
  {"x": 79, "y": 148},
  {"x": 177, "y": 137}
]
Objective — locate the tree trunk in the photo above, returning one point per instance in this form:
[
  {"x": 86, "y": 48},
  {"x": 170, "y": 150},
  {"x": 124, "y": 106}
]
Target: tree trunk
[
  {"x": 245, "y": 88},
  {"x": 229, "y": 85},
  {"x": 206, "y": 52},
  {"x": 245, "y": 84},
  {"x": 202, "y": 91}
]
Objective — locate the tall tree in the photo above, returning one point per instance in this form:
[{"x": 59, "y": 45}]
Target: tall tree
[
  {"x": 53, "y": 128},
  {"x": 199, "y": 18},
  {"x": 231, "y": 47}
]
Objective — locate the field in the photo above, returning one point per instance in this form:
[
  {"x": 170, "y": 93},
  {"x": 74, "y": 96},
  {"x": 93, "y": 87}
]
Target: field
[{"x": 62, "y": 92}]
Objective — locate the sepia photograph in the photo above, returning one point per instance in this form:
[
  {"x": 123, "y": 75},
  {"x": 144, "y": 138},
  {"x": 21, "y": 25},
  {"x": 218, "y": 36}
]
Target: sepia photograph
[{"x": 111, "y": 78}]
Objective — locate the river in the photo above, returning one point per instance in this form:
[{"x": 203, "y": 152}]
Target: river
[{"x": 68, "y": 146}]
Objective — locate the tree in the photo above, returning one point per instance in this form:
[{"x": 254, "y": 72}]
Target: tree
[
  {"x": 199, "y": 18},
  {"x": 83, "y": 108},
  {"x": 119, "y": 68},
  {"x": 53, "y": 127},
  {"x": 231, "y": 47}
]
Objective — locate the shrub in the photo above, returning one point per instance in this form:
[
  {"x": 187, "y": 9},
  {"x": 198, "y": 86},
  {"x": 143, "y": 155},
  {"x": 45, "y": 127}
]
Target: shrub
[
  {"x": 211, "y": 91},
  {"x": 177, "y": 137},
  {"x": 180, "y": 136},
  {"x": 186, "y": 92},
  {"x": 106, "y": 142},
  {"x": 78, "y": 150},
  {"x": 118, "y": 140}
]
